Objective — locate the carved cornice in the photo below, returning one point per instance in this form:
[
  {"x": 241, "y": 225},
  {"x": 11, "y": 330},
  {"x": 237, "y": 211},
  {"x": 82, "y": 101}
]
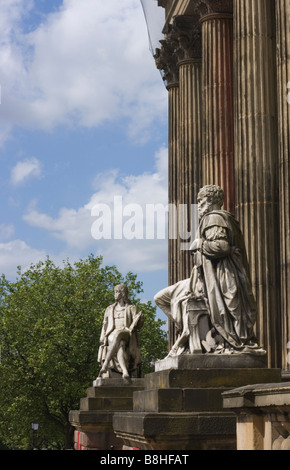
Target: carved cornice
[{"x": 214, "y": 7}]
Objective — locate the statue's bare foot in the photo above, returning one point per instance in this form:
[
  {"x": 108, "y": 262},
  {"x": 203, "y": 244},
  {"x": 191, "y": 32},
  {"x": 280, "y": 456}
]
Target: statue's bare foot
[{"x": 102, "y": 371}]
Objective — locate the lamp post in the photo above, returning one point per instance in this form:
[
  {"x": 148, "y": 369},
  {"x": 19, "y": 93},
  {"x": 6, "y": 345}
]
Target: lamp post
[{"x": 35, "y": 429}]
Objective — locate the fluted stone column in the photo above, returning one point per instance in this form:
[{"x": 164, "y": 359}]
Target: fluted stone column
[
  {"x": 218, "y": 124},
  {"x": 188, "y": 35},
  {"x": 166, "y": 61},
  {"x": 256, "y": 160},
  {"x": 173, "y": 159},
  {"x": 283, "y": 78},
  {"x": 190, "y": 151},
  {"x": 180, "y": 60}
]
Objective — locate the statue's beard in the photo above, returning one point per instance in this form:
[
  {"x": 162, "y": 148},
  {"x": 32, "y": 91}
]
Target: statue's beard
[{"x": 204, "y": 211}]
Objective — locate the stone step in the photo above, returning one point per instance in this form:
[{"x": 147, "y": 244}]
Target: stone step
[
  {"x": 106, "y": 403},
  {"x": 95, "y": 392},
  {"x": 158, "y": 400},
  {"x": 179, "y": 400},
  {"x": 208, "y": 378}
]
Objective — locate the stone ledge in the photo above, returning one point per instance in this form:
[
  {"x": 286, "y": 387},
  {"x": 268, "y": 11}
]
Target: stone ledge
[
  {"x": 178, "y": 431},
  {"x": 106, "y": 403},
  {"x": 208, "y": 378},
  {"x": 88, "y": 420},
  {"x": 212, "y": 361},
  {"x": 179, "y": 400},
  {"x": 270, "y": 396},
  {"x": 118, "y": 391},
  {"x": 118, "y": 382}
]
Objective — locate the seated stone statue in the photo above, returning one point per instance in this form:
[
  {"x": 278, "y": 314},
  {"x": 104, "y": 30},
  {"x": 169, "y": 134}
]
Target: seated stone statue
[
  {"x": 214, "y": 310},
  {"x": 119, "y": 351}
]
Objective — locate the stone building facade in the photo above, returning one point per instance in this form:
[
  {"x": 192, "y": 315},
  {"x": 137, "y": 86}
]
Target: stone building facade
[{"x": 226, "y": 66}]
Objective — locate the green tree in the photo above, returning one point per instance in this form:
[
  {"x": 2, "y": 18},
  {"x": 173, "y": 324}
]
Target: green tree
[{"x": 50, "y": 323}]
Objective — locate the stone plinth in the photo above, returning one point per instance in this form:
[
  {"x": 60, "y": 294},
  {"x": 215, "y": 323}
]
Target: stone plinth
[
  {"x": 188, "y": 361},
  {"x": 181, "y": 407},
  {"x": 93, "y": 421},
  {"x": 263, "y": 415}
]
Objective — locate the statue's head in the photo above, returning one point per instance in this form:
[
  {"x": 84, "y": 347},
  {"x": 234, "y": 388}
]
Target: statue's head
[
  {"x": 121, "y": 291},
  {"x": 210, "y": 197}
]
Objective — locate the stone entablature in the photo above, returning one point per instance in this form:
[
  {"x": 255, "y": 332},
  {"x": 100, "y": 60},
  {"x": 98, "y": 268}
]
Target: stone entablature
[{"x": 174, "y": 8}]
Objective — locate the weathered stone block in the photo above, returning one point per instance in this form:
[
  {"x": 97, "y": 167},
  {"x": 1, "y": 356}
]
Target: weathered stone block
[
  {"x": 178, "y": 431},
  {"x": 106, "y": 403},
  {"x": 202, "y": 399},
  {"x": 120, "y": 391},
  {"x": 158, "y": 400},
  {"x": 213, "y": 361},
  {"x": 204, "y": 378}
]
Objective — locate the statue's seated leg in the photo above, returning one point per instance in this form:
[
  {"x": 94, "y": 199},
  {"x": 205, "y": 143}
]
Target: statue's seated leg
[
  {"x": 180, "y": 344},
  {"x": 123, "y": 359},
  {"x": 116, "y": 340}
]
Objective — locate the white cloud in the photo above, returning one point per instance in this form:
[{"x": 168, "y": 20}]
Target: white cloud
[
  {"x": 6, "y": 231},
  {"x": 74, "y": 226},
  {"x": 87, "y": 63},
  {"x": 17, "y": 253},
  {"x": 25, "y": 169}
]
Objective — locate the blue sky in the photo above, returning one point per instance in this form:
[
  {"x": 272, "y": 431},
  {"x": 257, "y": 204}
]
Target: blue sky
[{"x": 83, "y": 120}]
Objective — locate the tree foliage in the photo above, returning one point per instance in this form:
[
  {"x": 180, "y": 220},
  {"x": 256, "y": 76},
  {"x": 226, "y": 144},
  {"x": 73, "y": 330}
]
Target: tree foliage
[{"x": 50, "y": 323}]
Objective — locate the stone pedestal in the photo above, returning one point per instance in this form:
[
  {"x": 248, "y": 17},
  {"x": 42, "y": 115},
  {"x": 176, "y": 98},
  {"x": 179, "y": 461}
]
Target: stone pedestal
[
  {"x": 181, "y": 407},
  {"x": 93, "y": 421}
]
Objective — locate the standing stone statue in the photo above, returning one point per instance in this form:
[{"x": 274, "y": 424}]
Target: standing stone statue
[
  {"x": 119, "y": 351},
  {"x": 214, "y": 310}
]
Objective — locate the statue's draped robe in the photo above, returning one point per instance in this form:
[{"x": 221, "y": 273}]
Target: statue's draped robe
[{"x": 221, "y": 277}]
